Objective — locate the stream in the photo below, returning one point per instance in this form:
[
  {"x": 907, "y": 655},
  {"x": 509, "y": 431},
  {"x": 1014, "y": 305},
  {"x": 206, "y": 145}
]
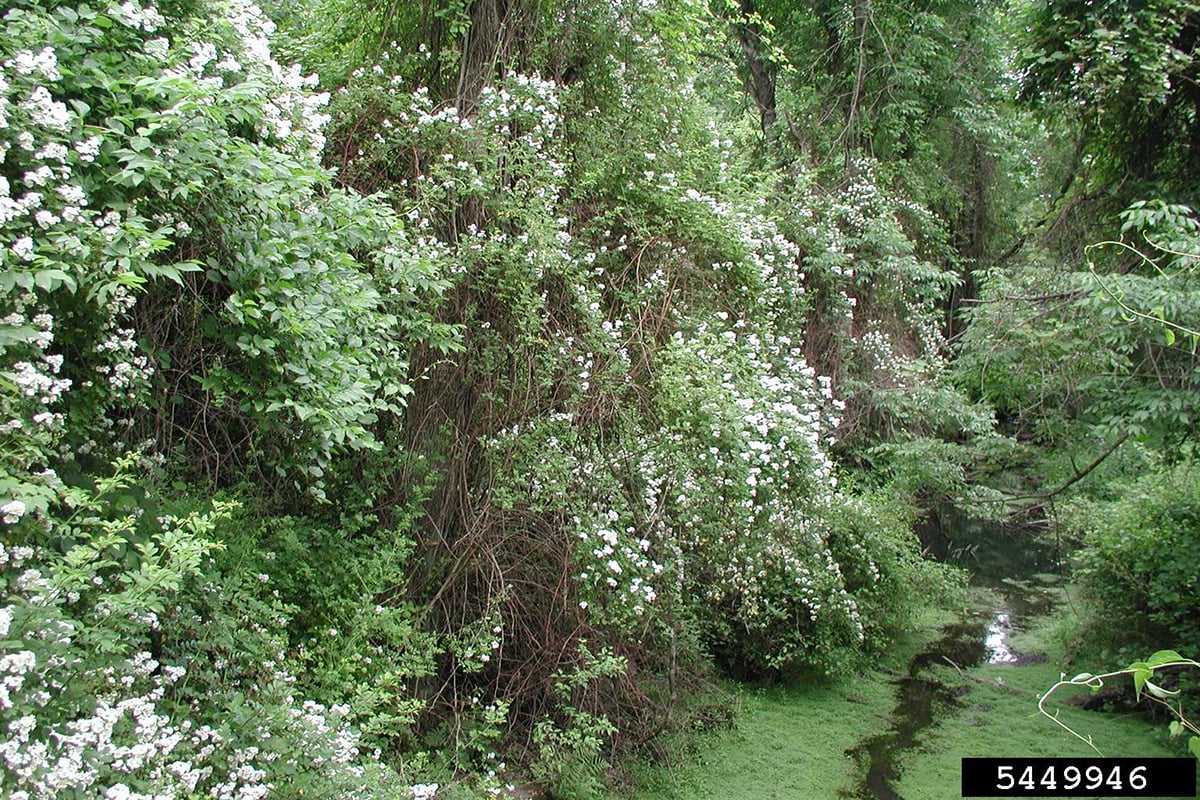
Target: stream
[{"x": 1011, "y": 578}]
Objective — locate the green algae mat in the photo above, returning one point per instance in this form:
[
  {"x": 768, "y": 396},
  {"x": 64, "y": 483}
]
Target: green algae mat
[
  {"x": 788, "y": 743},
  {"x": 826, "y": 740}
]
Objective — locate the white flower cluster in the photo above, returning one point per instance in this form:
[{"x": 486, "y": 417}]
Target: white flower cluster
[
  {"x": 563, "y": 471},
  {"x": 861, "y": 239},
  {"x": 123, "y": 744},
  {"x": 509, "y": 138},
  {"x": 12, "y": 511},
  {"x": 36, "y": 381},
  {"x": 616, "y": 563},
  {"x": 294, "y": 115},
  {"x": 122, "y": 365},
  {"x": 43, "y": 63},
  {"x": 123, "y": 739},
  {"x": 877, "y": 348},
  {"x": 45, "y": 194},
  {"x": 747, "y": 476},
  {"x": 144, "y": 18}
]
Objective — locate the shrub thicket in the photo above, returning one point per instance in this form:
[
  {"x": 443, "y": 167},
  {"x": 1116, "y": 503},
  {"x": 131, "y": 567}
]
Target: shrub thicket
[
  {"x": 508, "y": 456},
  {"x": 1142, "y": 548}
]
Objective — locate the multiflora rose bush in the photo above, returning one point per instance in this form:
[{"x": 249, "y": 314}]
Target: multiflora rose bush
[
  {"x": 86, "y": 705},
  {"x": 165, "y": 223},
  {"x": 163, "y": 205}
]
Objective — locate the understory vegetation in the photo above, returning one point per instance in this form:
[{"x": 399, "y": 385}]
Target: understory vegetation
[{"x": 417, "y": 399}]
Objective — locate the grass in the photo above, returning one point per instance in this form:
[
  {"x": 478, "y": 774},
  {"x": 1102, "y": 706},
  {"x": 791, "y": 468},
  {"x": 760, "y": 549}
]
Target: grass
[
  {"x": 788, "y": 742},
  {"x": 998, "y": 716},
  {"x": 792, "y": 742}
]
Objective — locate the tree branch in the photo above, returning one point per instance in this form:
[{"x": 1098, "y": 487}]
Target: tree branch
[{"x": 1079, "y": 475}]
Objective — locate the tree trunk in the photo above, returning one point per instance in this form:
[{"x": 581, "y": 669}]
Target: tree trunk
[{"x": 761, "y": 72}]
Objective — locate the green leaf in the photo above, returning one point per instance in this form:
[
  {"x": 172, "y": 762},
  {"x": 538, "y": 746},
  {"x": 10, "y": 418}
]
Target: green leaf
[
  {"x": 1161, "y": 657},
  {"x": 1194, "y": 746},
  {"x": 1141, "y": 675},
  {"x": 51, "y": 279},
  {"x": 1159, "y": 691},
  {"x": 17, "y": 334}
]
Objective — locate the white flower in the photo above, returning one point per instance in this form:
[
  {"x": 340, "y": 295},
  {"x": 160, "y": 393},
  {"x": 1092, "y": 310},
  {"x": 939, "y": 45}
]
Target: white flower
[
  {"x": 118, "y": 791},
  {"x": 13, "y": 511},
  {"x": 23, "y": 247},
  {"x": 205, "y": 52},
  {"x": 45, "y": 63},
  {"x": 39, "y": 177},
  {"x": 53, "y": 151},
  {"x": 46, "y": 111},
  {"x": 147, "y": 18},
  {"x": 88, "y": 149},
  {"x": 72, "y": 195}
]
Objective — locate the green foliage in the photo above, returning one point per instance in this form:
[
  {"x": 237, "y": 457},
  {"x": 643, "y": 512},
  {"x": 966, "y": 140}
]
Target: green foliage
[
  {"x": 147, "y": 153},
  {"x": 177, "y": 266},
  {"x": 1141, "y": 555},
  {"x": 1125, "y": 69},
  {"x": 573, "y": 398},
  {"x": 1144, "y": 675},
  {"x": 1034, "y": 352},
  {"x": 643, "y": 445},
  {"x": 1111, "y": 346},
  {"x": 94, "y": 694},
  {"x": 570, "y": 754}
]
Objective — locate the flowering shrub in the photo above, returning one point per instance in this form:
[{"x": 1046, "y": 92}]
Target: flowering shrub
[
  {"x": 748, "y": 484},
  {"x": 118, "y": 673},
  {"x": 638, "y": 451},
  {"x": 85, "y": 709},
  {"x": 174, "y": 267},
  {"x": 874, "y": 264},
  {"x": 168, "y": 156}
]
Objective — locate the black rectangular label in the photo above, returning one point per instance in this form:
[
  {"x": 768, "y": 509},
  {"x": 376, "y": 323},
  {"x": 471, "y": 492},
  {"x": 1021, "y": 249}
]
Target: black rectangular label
[{"x": 1079, "y": 777}]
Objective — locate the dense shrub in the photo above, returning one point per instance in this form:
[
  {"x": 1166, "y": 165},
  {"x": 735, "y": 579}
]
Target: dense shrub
[
  {"x": 1141, "y": 559},
  {"x": 541, "y": 532},
  {"x": 98, "y": 694},
  {"x": 172, "y": 228},
  {"x": 178, "y": 273}
]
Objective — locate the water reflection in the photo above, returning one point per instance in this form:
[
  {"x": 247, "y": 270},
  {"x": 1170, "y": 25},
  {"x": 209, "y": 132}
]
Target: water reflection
[
  {"x": 1012, "y": 580},
  {"x": 995, "y": 641}
]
